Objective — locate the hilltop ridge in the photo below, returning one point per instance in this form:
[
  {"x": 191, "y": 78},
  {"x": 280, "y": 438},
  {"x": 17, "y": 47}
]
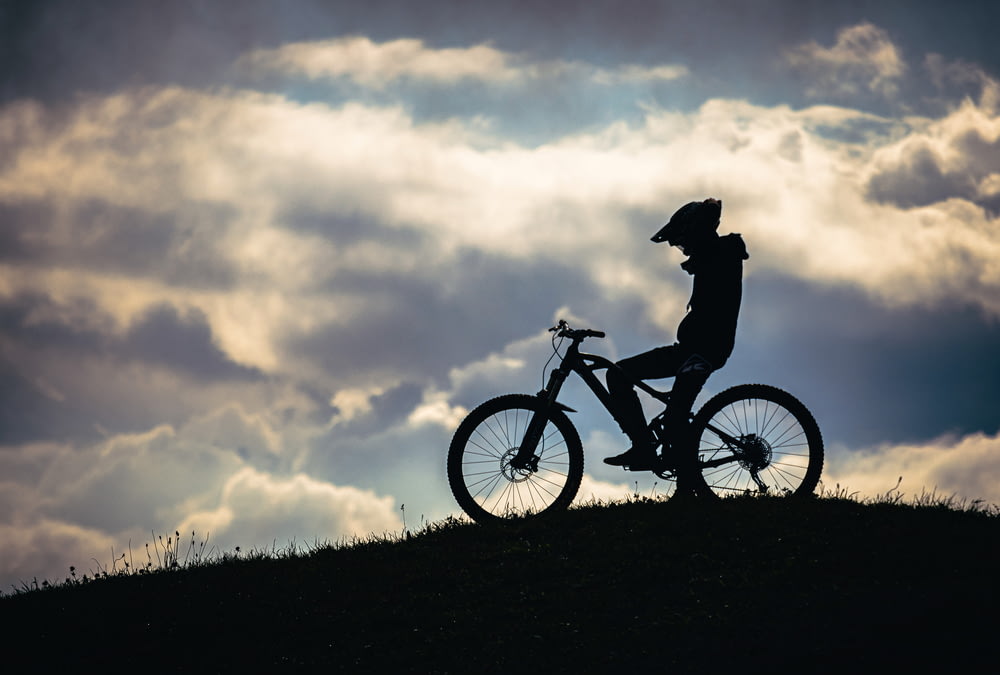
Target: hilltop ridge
[{"x": 763, "y": 585}]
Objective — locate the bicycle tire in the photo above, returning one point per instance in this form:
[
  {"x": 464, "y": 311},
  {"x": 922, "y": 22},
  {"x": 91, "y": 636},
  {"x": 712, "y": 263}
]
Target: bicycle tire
[
  {"x": 479, "y": 472},
  {"x": 784, "y": 445}
]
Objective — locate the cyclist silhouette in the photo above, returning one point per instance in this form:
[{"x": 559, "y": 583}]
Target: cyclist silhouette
[{"x": 705, "y": 336}]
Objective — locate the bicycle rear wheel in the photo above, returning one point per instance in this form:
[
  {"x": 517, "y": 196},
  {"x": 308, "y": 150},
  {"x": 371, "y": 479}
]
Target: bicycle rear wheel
[
  {"x": 756, "y": 439},
  {"x": 479, "y": 472}
]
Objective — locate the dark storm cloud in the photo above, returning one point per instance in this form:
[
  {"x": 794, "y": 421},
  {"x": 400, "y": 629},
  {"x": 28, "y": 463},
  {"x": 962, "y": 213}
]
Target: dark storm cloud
[
  {"x": 919, "y": 182},
  {"x": 183, "y": 342},
  {"x": 179, "y": 247},
  {"x": 922, "y": 178},
  {"x": 51, "y": 385},
  {"x": 388, "y": 410},
  {"x": 53, "y": 50},
  {"x": 858, "y": 130},
  {"x": 415, "y": 328},
  {"x": 870, "y": 373},
  {"x": 33, "y": 408},
  {"x": 348, "y": 229},
  {"x": 160, "y": 336},
  {"x": 419, "y": 324},
  {"x": 37, "y": 321},
  {"x": 28, "y": 412}
]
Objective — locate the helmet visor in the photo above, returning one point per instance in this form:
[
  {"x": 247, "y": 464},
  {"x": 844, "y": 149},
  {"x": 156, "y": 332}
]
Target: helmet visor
[{"x": 667, "y": 233}]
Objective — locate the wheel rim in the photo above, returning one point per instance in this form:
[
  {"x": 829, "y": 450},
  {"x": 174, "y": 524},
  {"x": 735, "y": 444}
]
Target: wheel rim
[
  {"x": 496, "y": 487},
  {"x": 773, "y": 454}
]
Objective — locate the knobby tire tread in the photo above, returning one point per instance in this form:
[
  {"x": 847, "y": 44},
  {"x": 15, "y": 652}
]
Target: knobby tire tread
[
  {"x": 766, "y": 392},
  {"x": 484, "y": 411}
]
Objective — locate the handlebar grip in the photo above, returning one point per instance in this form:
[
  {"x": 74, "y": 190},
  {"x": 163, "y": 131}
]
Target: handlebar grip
[{"x": 564, "y": 330}]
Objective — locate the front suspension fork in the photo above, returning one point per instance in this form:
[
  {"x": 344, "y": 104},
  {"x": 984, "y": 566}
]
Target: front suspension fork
[{"x": 526, "y": 459}]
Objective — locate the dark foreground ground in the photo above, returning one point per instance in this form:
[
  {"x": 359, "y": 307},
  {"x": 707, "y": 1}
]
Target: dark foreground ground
[{"x": 826, "y": 585}]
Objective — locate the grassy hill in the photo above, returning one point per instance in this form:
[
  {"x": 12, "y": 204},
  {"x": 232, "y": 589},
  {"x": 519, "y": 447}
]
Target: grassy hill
[{"x": 743, "y": 585}]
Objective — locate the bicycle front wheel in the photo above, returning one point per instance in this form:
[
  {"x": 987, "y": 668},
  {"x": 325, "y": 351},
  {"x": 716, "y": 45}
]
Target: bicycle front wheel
[
  {"x": 756, "y": 439},
  {"x": 479, "y": 472}
]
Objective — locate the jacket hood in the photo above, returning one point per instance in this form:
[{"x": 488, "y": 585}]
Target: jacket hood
[
  {"x": 729, "y": 246},
  {"x": 733, "y": 244}
]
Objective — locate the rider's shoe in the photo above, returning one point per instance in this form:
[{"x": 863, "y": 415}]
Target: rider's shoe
[{"x": 640, "y": 457}]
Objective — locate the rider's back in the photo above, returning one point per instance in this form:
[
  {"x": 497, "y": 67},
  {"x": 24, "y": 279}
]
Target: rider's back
[{"x": 709, "y": 327}]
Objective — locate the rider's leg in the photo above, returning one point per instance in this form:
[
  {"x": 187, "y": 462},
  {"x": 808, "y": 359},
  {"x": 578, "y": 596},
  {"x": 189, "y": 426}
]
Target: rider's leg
[
  {"x": 627, "y": 409},
  {"x": 688, "y": 382}
]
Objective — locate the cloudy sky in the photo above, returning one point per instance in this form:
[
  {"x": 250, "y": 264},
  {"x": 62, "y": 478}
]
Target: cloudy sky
[{"x": 257, "y": 259}]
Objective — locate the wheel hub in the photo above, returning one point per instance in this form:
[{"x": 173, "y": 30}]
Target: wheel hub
[
  {"x": 754, "y": 453},
  {"x": 512, "y": 474}
]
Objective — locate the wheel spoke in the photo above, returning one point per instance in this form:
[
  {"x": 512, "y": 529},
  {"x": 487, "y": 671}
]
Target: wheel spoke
[
  {"x": 537, "y": 479},
  {"x": 492, "y": 449},
  {"x": 492, "y": 428},
  {"x": 479, "y": 461},
  {"x": 768, "y": 419},
  {"x": 539, "y": 488},
  {"x": 779, "y": 442},
  {"x": 729, "y": 423},
  {"x": 491, "y": 483}
]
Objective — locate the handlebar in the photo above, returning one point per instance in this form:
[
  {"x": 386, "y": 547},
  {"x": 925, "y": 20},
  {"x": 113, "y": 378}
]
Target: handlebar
[{"x": 563, "y": 330}]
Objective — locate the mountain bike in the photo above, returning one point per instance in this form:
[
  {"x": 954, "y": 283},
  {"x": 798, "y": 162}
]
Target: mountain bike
[{"x": 520, "y": 455}]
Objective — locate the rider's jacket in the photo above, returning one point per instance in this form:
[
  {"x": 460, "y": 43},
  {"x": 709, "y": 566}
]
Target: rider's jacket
[{"x": 709, "y": 327}]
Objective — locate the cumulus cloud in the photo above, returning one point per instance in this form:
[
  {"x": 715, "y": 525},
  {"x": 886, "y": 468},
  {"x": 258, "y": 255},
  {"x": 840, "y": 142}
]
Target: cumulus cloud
[
  {"x": 435, "y": 409},
  {"x": 962, "y": 467},
  {"x": 45, "y": 550},
  {"x": 379, "y": 162},
  {"x": 633, "y": 73},
  {"x": 593, "y": 490},
  {"x": 253, "y": 154},
  {"x": 955, "y": 156},
  {"x": 252, "y": 300},
  {"x": 229, "y": 475},
  {"x": 254, "y": 506},
  {"x": 863, "y": 58},
  {"x": 378, "y": 65}
]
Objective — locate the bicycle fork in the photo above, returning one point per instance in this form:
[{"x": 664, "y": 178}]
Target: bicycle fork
[{"x": 526, "y": 458}]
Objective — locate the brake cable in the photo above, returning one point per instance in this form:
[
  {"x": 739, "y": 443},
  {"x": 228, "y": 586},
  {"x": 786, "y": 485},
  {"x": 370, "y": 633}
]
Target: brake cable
[{"x": 555, "y": 352}]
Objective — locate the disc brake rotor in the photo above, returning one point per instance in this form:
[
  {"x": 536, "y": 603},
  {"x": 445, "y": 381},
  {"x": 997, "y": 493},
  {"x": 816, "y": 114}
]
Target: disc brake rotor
[{"x": 509, "y": 472}]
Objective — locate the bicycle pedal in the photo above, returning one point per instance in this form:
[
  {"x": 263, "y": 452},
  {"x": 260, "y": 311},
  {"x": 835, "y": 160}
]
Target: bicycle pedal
[{"x": 642, "y": 467}]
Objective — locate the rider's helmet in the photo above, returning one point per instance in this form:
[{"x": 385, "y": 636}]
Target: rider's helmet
[{"x": 691, "y": 224}]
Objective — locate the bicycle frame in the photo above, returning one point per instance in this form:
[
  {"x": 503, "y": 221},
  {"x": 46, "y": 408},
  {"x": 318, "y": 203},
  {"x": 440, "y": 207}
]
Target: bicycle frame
[
  {"x": 585, "y": 365},
  {"x": 521, "y": 454}
]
